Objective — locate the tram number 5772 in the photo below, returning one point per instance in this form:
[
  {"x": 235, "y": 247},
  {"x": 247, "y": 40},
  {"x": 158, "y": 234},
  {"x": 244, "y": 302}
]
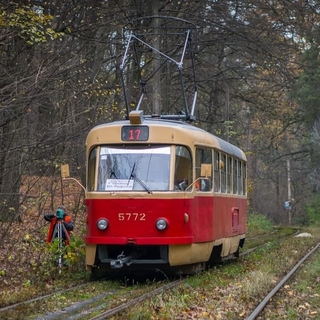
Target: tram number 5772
[{"x": 128, "y": 216}]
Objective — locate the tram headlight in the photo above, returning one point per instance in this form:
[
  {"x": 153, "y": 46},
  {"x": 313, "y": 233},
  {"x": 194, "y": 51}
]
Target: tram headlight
[
  {"x": 161, "y": 224},
  {"x": 102, "y": 224}
]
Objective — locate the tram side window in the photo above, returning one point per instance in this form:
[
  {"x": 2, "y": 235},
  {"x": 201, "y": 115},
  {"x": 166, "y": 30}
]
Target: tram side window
[
  {"x": 92, "y": 169},
  {"x": 203, "y": 156},
  {"x": 216, "y": 171},
  {"x": 223, "y": 173},
  {"x": 244, "y": 178},
  {"x": 240, "y": 187},
  {"x": 183, "y": 172},
  {"x": 229, "y": 175},
  {"x": 235, "y": 176}
]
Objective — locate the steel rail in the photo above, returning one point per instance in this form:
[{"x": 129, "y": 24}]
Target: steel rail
[
  {"x": 15, "y": 305},
  {"x": 264, "y": 302},
  {"x": 112, "y": 312}
]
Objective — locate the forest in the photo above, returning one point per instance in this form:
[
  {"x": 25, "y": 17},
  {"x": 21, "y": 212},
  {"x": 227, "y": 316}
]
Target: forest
[{"x": 257, "y": 73}]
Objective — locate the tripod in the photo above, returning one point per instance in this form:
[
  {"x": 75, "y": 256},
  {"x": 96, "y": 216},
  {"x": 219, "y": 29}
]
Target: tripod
[{"x": 60, "y": 232}]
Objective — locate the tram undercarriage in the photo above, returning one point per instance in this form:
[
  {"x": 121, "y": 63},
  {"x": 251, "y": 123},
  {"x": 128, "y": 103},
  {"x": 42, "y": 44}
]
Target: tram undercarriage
[{"x": 169, "y": 259}]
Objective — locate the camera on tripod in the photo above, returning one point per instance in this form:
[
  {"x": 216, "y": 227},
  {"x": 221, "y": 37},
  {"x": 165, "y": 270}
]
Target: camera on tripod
[{"x": 59, "y": 214}]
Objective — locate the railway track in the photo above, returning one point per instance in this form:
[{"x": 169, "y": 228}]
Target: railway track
[
  {"x": 98, "y": 306},
  {"x": 131, "y": 303},
  {"x": 95, "y": 307},
  {"x": 259, "y": 309},
  {"x": 111, "y": 301}
]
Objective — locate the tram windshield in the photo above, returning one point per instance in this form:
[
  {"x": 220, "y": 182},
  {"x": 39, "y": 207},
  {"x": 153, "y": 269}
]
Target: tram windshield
[{"x": 139, "y": 168}]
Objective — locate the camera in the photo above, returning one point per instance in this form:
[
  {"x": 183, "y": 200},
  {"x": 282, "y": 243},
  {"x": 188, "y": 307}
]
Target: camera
[{"x": 59, "y": 214}]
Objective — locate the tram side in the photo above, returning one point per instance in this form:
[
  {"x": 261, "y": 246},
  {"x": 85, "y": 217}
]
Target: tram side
[{"x": 162, "y": 195}]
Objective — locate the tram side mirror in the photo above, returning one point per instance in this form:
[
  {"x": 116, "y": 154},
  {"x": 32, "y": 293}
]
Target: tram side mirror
[
  {"x": 65, "y": 173},
  {"x": 206, "y": 170}
]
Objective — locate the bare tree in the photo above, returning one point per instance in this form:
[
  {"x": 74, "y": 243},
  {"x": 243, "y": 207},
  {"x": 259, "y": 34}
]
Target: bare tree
[{"x": 59, "y": 76}]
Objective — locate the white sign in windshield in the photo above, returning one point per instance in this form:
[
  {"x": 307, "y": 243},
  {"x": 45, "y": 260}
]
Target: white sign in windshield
[{"x": 119, "y": 184}]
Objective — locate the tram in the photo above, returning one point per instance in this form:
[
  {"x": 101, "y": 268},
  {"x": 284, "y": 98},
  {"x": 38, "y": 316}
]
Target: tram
[{"x": 162, "y": 194}]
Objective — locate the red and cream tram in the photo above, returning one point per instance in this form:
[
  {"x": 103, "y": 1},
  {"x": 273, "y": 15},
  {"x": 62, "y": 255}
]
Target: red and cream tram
[{"x": 162, "y": 194}]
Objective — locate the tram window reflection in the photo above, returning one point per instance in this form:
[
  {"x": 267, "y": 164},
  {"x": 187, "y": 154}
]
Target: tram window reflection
[
  {"x": 216, "y": 171},
  {"x": 229, "y": 175},
  {"x": 134, "y": 168},
  {"x": 223, "y": 168},
  {"x": 92, "y": 169},
  {"x": 244, "y": 178},
  {"x": 240, "y": 174},
  {"x": 183, "y": 172},
  {"x": 235, "y": 176}
]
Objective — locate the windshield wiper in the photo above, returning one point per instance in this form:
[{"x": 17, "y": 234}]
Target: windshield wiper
[
  {"x": 112, "y": 173},
  {"x": 133, "y": 175}
]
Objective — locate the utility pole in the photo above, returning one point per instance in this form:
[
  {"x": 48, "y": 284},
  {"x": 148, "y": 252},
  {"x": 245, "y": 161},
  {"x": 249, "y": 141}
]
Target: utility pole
[
  {"x": 248, "y": 153},
  {"x": 248, "y": 130},
  {"x": 289, "y": 193}
]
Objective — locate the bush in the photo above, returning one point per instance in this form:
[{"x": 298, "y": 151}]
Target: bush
[
  {"x": 313, "y": 211},
  {"x": 257, "y": 224}
]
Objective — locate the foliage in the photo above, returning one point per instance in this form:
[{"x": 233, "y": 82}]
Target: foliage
[
  {"x": 73, "y": 256},
  {"x": 258, "y": 223},
  {"x": 306, "y": 90},
  {"x": 60, "y": 76},
  {"x": 32, "y": 24},
  {"x": 46, "y": 268},
  {"x": 313, "y": 211}
]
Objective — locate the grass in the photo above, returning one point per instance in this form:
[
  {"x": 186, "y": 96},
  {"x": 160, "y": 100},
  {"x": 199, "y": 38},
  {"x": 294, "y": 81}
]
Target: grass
[
  {"x": 258, "y": 224},
  {"x": 228, "y": 291},
  {"x": 300, "y": 297},
  {"x": 257, "y": 282},
  {"x": 232, "y": 290}
]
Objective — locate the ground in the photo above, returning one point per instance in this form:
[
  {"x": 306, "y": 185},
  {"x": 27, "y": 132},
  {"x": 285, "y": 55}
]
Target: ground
[{"x": 24, "y": 253}]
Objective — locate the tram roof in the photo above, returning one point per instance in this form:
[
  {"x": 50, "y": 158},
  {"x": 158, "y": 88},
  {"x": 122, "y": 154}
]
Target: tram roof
[{"x": 195, "y": 134}]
